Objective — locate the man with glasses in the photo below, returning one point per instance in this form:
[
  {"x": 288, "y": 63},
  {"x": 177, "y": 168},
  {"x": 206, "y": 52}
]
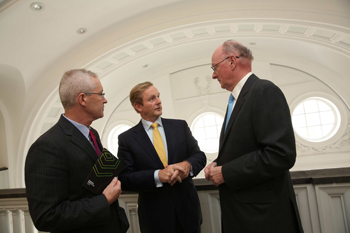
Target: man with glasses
[
  {"x": 59, "y": 161},
  {"x": 256, "y": 150}
]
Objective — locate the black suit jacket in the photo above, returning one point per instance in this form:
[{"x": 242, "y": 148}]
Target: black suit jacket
[
  {"x": 160, "y": 207},
  {"x": 256, "y": 152},
  {"x": 56, "y": 166}
]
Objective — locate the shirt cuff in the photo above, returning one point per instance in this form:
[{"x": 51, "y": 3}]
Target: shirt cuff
[
  {"x": 191, "y": 171},
  {"x": 156, "y": 179}
]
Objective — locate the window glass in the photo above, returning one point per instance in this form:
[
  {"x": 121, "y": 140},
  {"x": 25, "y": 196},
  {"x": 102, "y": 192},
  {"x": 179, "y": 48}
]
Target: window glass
[
  {"x": 206, "y": 129},
  {"x": 113, "y": 137},
  {"x": 316, "y": 119}
]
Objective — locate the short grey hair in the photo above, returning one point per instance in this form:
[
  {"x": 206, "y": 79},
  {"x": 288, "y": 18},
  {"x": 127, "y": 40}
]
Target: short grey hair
[
  {"x": 74, "y": 82},
  {"x": 233, "y": 47}
]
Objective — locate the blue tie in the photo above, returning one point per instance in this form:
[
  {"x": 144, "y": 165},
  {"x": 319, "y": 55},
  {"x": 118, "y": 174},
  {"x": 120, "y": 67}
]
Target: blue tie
[{"x": 229, "y": 110}]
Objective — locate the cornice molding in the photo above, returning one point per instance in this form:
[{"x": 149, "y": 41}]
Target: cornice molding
[
  {"x": 342, "y": 144},
  {"x": 334, "y": 37}
]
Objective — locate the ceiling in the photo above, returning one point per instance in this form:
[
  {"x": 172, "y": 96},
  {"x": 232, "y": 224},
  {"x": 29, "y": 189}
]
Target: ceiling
[
  {"x": 127, "y": 41},
  {"x": 37, "y": 46}
]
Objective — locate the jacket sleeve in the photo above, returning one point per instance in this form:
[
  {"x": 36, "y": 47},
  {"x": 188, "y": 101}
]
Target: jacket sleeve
[
  {"x": 51, "y": 204},
  {"x": 138, "y": 174},
  {"x": 270, "y": 147},
  {"x": 195, "y": 156}
]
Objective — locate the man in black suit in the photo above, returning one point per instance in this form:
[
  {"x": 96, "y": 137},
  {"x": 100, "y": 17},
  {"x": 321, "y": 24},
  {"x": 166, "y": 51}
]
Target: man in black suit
[
  {"x": 168, "y": 200},
  {"x": 59, "y": 161},
  {"x": 256, "y": 150}
]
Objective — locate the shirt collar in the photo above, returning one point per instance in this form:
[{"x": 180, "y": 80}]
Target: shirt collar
[
  {"x": 147, "y": 124},
  {"x": 82, "y": 128},
  {"x": 239, "y": 86}
]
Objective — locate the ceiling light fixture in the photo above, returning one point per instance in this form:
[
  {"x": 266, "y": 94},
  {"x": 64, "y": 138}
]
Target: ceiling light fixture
[
  {"x": 81, "y": 30},
  {"x": 37, "y": 6}
]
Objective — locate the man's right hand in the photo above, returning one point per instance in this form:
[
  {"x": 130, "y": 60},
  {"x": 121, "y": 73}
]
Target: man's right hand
[
  {"x": 207, "y": 170},
  {"x": 113, "y": 190},
  {"x": 169, "y": 175}
]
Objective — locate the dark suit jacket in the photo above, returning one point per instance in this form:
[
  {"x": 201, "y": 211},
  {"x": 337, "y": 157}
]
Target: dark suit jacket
[
  {"x": 160, "y": 207},
  {"x": 256, "y": 152},
  {"x": 56, "y": 166}
]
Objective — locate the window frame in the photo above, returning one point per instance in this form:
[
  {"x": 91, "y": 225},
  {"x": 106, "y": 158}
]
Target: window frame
[
  {"x": 339, "y": 104},
  {"x": 197, "y": 117}
]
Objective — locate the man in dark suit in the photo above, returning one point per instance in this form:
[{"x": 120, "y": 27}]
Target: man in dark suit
[
  {"x": 256, "y": 150},
  {"x": 59, "y": 161},
  {"x": 168, "y": 200}
]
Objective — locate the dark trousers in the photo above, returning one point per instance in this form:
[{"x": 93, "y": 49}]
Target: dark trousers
[{"x": 180, "y": 230}]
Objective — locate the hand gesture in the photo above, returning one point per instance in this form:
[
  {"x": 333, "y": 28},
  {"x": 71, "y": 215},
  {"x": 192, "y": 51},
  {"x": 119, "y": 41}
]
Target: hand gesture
[
  {"x": 213, "y": 173},
  {"x": 113, "y": 190},
  {"x": 169, "y": 175}
]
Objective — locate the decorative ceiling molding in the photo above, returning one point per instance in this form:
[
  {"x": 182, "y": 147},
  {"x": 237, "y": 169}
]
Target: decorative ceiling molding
[
  {"x": 203, "y": 84},
  {"x": 331, "y": 36},
  {"x": 342, "y": 144}
]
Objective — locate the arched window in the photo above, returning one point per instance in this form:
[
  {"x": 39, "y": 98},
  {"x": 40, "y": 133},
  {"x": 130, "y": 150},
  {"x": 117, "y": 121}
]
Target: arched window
[
  {"x": 316, "y": 119},
  {"x": 206, "y": 129},
  {"x": 113, "y": 137}
]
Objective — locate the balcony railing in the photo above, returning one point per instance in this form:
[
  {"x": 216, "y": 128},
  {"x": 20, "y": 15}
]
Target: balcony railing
[{"x": 323, "y": 197}]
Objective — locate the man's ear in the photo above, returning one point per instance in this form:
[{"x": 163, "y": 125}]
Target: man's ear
[
  {"x": 138, "y": 107},
  {"x": 233, "y": 62},
  {"x": 82, "y": 99}
]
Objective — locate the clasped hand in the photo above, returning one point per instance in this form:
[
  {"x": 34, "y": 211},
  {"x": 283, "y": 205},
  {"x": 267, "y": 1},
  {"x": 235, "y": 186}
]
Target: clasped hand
[
  {"x": 213, "y": 173},
  {"x": 175, "y": 173}
]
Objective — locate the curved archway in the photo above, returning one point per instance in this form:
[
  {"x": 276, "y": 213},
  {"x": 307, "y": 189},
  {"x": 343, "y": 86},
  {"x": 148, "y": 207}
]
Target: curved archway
[{"x": 190, "y": 45}]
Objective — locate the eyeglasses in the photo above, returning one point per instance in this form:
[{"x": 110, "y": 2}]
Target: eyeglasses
[
  {"x": 100, "y": 94},
  {"x": 213, "y": 67}
]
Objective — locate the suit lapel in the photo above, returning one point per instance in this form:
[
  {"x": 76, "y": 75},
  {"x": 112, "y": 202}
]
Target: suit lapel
[
  {"x": 142, "y": 138},
  {"x": 236, "y": 109},
  {"x": 77, "y": 138},
  {"x": 170, "y": 139},
  {"x": 222, "y": 132}
]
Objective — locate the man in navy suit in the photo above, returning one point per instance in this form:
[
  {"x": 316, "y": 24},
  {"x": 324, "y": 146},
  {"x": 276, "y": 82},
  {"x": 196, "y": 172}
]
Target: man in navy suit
[
  {"x": 256, "y": 150},
  {"x": 168, "y": 200},
  {"x": 59, "y": 161}
]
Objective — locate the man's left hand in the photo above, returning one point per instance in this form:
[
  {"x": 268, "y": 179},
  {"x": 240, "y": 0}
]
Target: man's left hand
[
  {"x": 184, "y": 169},
  {"x": 215, "y": 175}
]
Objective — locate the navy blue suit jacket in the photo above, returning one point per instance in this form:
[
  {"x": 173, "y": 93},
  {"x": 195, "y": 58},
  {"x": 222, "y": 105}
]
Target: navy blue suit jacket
[{"x": 159, "y": 208}]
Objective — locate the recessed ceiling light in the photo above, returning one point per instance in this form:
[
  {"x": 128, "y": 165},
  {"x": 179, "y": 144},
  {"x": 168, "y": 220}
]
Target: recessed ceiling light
[
  {"x": 81, "y": 30},
  {"x": 37, "y": 6},
  {"x": 252, "y": 43}
]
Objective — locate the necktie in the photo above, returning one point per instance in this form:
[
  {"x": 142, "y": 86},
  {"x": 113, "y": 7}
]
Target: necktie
[
  {"x": 229, "y": 110},
  {"x": 93, "y": 139},
  {"x": 158, "y": 144}
]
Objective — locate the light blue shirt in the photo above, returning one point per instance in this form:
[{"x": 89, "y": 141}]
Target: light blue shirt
[
  {"x": 82, "y": 128},
  {"x": 149, "y": 130}
]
